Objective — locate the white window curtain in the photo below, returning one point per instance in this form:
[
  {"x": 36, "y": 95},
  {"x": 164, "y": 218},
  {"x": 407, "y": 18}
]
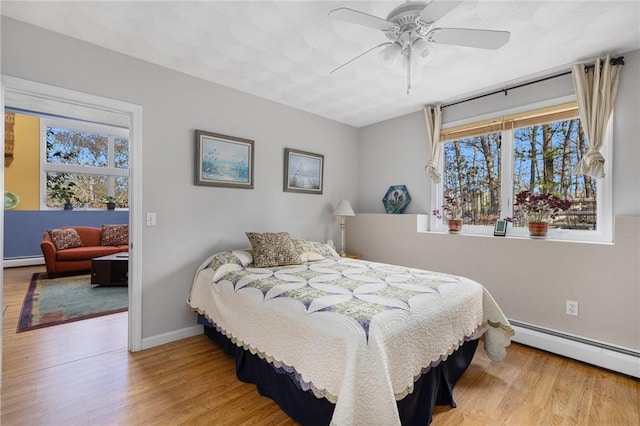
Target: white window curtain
[
  {"x": 596, "y": 88},
  {"x": 433, "y": 119}
]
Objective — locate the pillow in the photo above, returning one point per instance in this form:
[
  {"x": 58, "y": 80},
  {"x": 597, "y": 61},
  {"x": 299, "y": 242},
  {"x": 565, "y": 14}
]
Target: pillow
[
  {"x": 325, "y": 249},
  {"x": 306, "y": 250},
  {"x": 64, "y": 238},
  {"x": 224, "y": 262},
  {"x": 273, "y": 249},
  {"x": 114, "y": 235},
  {"x": 245, "y": 256}
]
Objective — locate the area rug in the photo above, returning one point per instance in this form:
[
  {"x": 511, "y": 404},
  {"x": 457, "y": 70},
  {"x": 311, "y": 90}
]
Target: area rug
[{"x": 60, "y": 300}]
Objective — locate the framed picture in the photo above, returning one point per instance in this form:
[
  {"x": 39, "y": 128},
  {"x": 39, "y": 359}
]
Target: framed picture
[
  {"x": 303, "y": 171},
  {"x": 223, "y": 160},
  {"x": 501, "y": 228}
]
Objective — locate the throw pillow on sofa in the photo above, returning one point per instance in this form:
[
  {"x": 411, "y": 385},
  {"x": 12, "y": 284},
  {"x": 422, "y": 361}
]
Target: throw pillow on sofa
[
  {"x": 114, "y": 235},
  {"x": 64, "y": 238}
]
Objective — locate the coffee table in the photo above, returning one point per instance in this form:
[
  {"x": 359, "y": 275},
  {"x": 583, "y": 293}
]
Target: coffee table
[{"x": 110, "y": 270}]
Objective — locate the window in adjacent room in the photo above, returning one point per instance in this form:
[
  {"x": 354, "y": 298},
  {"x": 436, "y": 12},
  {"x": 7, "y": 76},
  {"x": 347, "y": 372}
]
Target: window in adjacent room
[
  {"x": 491, "y": 161},
  {"x": 94, "y": 157}
]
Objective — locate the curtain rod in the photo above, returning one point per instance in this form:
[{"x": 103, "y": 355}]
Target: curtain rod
[{"x": 614, "y": 61}]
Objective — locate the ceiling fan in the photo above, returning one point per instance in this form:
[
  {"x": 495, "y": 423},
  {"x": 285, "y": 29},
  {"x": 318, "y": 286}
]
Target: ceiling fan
[{"x": 411, "y": 29}]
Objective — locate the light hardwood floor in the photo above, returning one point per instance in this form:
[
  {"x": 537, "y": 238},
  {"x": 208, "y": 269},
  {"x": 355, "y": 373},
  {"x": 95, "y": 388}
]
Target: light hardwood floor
[{"x": 81, "y": 374}]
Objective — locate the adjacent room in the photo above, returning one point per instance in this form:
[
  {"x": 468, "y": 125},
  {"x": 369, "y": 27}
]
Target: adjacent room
[{"x": 314, "y": 212}]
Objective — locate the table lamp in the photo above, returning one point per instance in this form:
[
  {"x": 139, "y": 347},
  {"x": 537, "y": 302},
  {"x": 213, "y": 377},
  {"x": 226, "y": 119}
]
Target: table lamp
[{"x": 343, "y": 209}]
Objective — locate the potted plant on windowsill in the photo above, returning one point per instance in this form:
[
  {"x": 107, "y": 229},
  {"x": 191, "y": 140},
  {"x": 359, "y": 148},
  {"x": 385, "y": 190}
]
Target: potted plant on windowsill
[
  {"x": 109, "y": 201},
  {"x": 64, "y": 193},
  {"x": 539, "y": 209},
  {"x": 452, "y": 211}
]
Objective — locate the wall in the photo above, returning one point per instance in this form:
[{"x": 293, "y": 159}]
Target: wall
[
  {"x": 604, "y": 279},
  {"x": 194, "y": 221},
  {"x": 23, "y": 229},
  {"x": 22, "y": 177},
  {"x": 530, "y": 279}
]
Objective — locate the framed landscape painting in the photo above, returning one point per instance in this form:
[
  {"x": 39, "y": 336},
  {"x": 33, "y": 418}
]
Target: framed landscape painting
[
  {"x": 303, "y": 171},
  {"x": 223, "y": 160}
]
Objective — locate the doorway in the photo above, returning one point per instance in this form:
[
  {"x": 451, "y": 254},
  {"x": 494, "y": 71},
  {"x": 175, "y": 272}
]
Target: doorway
[{"x": 25, "y": 95}]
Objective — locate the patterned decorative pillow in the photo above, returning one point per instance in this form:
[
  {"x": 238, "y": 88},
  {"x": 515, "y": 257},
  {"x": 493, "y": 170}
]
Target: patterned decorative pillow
[
  {"x": 325, "y": 249},
  {"x": 273, "y": 249},
  {"x": 65, "y": 238},
  {"x": 306, "y": 250},
  {"x": 114, "y": 235}
]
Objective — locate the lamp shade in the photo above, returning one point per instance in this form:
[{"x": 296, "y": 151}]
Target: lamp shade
[{"x": 343, "y": 209}]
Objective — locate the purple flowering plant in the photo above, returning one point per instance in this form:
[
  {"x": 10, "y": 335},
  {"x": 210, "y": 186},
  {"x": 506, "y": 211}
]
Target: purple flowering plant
[
  {"x": 540, "y": 207},
  {"x": 451, "y": 206}
]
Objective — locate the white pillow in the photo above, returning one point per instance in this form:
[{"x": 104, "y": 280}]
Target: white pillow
[{"x": 244, "y": 255}]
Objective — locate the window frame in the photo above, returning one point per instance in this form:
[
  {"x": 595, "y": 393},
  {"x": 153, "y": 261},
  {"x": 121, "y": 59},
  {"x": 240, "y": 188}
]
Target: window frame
[
  {"x": 113, "y": 132},
  {"x": 604, "y": 211}
]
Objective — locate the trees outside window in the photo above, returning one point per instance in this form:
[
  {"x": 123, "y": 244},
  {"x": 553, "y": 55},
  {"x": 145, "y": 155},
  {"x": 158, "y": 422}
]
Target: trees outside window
[
  {"x": 544, "y": 157},
  {"x": 472, "y": 168},
  {"x": 94, "y": 157}
]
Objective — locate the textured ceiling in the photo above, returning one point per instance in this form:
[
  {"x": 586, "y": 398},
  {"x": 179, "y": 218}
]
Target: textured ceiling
[{"x": 284, "y": 50}]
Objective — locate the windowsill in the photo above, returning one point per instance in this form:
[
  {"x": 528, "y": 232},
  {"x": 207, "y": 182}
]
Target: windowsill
[
  {"x": 86, "y": 209},
  {"x": 423, "y": 224},
  {"x": 516, "y": 237}
]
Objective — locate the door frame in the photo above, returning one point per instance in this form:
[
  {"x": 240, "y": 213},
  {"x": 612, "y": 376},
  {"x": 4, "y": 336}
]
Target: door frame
[{"x": 29, "y": 95}]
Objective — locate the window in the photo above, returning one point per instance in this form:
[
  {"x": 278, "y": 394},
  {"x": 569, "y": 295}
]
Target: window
[
  {"x": 94, "y": 157},
  {"x": 472, "y": 168},
  {"x": 489, "y": 162}
]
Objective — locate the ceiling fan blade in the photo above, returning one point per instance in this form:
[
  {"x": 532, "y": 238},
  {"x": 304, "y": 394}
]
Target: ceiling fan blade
[
  {"x": 361, "y": 18},
  {"x": 483, "y": 39},
  {"x": 360, "y": 55},
  {"x": 437, "y": 9}
]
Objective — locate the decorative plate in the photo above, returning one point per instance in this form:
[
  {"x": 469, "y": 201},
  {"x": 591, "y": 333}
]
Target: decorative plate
[
  {"x": 396, "y": 199},
  {"x": 11, "y": 200}
]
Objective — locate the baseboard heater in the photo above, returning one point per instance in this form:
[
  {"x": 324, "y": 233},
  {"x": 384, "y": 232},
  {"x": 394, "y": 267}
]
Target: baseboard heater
[{"x": 612, "y": 357}]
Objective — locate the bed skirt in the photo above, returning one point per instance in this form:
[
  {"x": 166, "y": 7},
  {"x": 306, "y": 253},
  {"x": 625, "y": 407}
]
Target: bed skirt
[{"x": 434, "y": 388}]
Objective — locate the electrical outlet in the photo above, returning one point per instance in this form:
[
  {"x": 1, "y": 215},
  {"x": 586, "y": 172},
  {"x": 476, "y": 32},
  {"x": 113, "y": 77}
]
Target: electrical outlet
[{"x": 572, "y": 308}]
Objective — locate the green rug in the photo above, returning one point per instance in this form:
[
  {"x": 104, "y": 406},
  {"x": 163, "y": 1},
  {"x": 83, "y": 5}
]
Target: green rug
[{"x": 60, "y": 300}]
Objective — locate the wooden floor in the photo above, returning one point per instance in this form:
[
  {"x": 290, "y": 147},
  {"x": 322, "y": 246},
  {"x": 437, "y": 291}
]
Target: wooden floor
[{"x": 81, "y": 374}]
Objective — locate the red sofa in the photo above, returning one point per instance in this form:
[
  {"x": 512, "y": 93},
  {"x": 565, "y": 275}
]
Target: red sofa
[{"x": 77, "y": 259}]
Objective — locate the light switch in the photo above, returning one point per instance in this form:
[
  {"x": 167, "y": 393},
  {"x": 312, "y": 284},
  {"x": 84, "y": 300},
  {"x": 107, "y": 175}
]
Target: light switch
[{"x": 151, "y": 219}]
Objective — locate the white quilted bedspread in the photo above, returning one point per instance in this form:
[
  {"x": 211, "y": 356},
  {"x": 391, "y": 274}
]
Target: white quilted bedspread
[{"x": 357, "y": 333}]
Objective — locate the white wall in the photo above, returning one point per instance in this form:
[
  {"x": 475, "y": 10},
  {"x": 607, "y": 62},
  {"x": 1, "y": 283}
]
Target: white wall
[
  {"x": 530, "y": 279},
  {"x": 194, "y": 221},
  {"x": 606, "y": 286}
]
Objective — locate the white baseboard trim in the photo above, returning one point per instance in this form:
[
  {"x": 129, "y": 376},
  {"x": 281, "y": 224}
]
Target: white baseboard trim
[
  {"x": 172, "y": 336},
  {"x": 622, "y": 360},
  {"x": 22, "y": 261}
]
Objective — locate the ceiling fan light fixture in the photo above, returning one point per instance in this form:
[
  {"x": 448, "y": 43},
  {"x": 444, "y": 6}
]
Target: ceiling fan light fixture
[
  {"x": 391, "y": 54},
  {"x": 421, "y": 47}
]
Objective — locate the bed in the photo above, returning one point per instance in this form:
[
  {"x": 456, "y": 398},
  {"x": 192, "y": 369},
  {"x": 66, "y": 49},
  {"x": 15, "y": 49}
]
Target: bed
[{"x": 343, "y": 341}]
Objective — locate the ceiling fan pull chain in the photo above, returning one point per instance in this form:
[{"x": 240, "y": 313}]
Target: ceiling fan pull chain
[{"x": 409, "y": 70}]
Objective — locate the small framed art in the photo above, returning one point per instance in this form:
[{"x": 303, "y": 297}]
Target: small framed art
[
  {"x": 500, "y": 229},
  {"x": 303, "y": 171},
  {"x": 223, "y": 160}
]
